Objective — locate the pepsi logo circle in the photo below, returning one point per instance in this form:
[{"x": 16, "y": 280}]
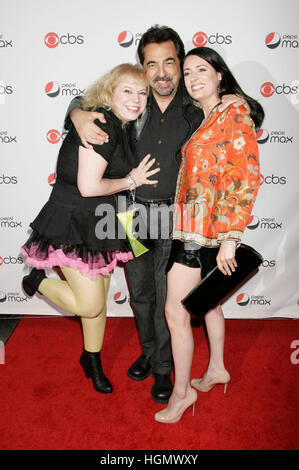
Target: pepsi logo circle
[
  {"x": 120, "y": 298},
  {"x": 267, "y": 89},
  {"x": 52, "y": 89},
  {"x": 53, "y": 136},
  {"x": 51, "y": 40},
  {"x": 125, "y": 39},
  {"x": 52, "y": 179},
  {"x": 262, "y": 136},
  {"x": 2, "y": 296},
  {"x": 272, "y": 40},
  {"x": 200, "y": 39},
  {"x": 253, "y": 222},
  {"x": 243, "y": 299}
]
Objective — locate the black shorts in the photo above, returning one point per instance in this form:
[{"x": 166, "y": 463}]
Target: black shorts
[{"x": 193, "y": 255}]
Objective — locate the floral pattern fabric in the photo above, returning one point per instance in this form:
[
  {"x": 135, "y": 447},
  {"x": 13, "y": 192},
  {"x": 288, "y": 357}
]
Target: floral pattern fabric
[{"x": 218, "y": 179}]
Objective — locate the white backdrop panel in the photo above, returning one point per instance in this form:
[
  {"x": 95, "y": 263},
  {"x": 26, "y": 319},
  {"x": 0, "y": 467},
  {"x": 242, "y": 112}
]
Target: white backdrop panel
[{"x": 258, "y": 40}]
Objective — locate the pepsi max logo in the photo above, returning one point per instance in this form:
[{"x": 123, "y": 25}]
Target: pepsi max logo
[
  {"x": 4, "y": 42},
  {"x": 10, "y": 223},
  {"x": 125, "y": 39},
  {"x": 272, "y": 40},
  {"x": 120, "y": 298},
  {"x": 254, "y": 300},
  {"x": 52, "y": 179},
  {"x": 276, "y": 137},
  {"x": 262, "y": 136},
  {"x": 52, "y": 89},
  {"x": 7, "y": 139},
  {"x": 243, "y": 299},
  {"x": 253, "y": 222},
  {"x": 12, "y": 297},
  {"x": 52, "y": 40},
  {"x": 266, "y": 223},
  {"x": 201, "y": 39}
]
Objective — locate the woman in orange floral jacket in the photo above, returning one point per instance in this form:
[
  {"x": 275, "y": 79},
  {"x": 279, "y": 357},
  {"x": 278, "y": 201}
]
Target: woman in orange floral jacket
[{"x": 216, "y": 189}]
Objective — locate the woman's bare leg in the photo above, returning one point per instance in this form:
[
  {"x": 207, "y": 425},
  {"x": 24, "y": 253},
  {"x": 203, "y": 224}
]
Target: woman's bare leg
[{"x": 180, "y": 280}]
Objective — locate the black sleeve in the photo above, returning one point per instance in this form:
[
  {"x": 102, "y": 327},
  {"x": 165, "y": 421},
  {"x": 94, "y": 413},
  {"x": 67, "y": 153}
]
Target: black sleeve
[
  {"x": 107, "y": 149},
  {"x": 75, "y": 103}
]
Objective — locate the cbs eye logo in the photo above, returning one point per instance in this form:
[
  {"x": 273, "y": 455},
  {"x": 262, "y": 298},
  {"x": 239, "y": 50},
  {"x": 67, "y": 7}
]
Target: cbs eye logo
[
  {"x": 200, "y": 39},
  {"x": 51, "y": 40},
  {"x": 53, "y": 136},
  {"x": 267, "y": 89}
]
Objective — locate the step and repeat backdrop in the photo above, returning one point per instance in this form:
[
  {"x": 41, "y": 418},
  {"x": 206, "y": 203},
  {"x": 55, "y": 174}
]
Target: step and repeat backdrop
[{"x": 50, "y": 52}]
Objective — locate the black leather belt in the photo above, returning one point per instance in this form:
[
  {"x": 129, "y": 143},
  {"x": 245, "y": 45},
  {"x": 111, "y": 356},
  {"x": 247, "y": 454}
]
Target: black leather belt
[{"x": 149, "y": 202}]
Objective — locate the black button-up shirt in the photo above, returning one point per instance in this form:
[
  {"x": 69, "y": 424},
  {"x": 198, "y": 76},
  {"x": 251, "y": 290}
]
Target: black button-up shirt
[{"x": 162, "y": 137}]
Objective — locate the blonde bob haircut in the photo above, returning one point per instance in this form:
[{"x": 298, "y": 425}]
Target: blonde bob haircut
[{"x": 100, "y": 94}]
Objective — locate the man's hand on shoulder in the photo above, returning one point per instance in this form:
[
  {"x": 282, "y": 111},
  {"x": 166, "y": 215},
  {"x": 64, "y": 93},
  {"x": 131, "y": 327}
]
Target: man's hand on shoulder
[
  {"x": 236, "y": 100},
  {"x": 88, "y": 131}
]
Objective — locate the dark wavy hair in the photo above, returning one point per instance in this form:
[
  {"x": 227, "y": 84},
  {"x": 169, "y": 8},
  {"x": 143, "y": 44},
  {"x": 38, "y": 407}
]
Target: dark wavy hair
[
  {"x": 158, "y": 34},
  {"x": 229, "y": 84}
]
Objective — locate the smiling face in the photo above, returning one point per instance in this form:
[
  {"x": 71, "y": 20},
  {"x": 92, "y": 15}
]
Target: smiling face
[
  {"x": 162, "y": 68},
  {"x": 129, "y": 98},
  {"x": 201, "y": 80}
]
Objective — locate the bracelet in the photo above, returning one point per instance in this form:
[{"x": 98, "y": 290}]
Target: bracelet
[
  {"x": 230, "y": 242},
  {"x": 132, "y": 183}
]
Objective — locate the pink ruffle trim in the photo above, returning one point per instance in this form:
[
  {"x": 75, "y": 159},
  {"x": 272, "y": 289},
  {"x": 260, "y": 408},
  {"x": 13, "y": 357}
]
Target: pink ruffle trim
[{"x": 59, "y": 258}]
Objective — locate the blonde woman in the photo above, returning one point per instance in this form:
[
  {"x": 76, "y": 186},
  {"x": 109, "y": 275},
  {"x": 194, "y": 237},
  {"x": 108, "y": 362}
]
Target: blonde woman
[{"x": 64, "y": 232}]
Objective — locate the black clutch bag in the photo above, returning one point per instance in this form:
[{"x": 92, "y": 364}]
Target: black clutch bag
[{"x": 216, "y": 287}]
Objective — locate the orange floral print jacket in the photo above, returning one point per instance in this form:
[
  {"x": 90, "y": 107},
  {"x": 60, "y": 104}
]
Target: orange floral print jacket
[{"x": 218, "y": 179}]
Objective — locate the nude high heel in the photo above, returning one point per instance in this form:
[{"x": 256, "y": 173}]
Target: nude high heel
[
  {"x": 223, "y": 379},
  {"x": 190, "y": 400}
]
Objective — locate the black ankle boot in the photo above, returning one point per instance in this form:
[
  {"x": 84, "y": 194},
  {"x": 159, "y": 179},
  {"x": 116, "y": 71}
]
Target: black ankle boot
[
  {"x": 92, "y": 366},
  {"x": 32, "y": 281}
]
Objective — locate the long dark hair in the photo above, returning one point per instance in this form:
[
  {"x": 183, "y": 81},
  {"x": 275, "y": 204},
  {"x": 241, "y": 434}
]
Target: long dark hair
[
  {"x": 158, "y": 34},
  {"x": 229, "y": 84}
]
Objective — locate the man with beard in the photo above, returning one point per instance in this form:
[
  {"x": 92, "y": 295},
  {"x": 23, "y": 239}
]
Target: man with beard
[{"x": 169, "y": 120}]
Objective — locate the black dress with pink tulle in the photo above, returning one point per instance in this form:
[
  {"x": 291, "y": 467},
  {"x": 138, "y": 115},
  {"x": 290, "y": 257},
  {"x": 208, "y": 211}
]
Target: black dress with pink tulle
[{"x": 77, "y": 231}]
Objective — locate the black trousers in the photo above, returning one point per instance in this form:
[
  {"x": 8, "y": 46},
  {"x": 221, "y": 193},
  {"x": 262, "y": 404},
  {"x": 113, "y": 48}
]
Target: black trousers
[{"x": 146, "y": 276}]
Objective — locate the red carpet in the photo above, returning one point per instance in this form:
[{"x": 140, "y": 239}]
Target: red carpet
[{"x": 46, "y": 402}]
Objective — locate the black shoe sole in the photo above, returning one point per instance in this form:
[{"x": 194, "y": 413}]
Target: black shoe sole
[{"x": 138, "y": 379}]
